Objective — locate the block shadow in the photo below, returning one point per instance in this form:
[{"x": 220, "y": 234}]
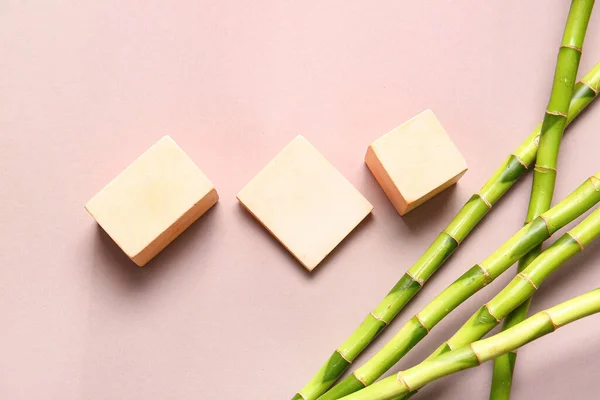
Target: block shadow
[
  {"x": 112, "y": 263},
  {"x": 263, "y": 232},
  {"x": 443, "y": 206}
]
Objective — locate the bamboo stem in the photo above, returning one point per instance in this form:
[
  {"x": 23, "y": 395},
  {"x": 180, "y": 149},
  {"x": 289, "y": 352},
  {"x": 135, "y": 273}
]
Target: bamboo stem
[
  {"x": 544, "y": 173},
  {"x": 443, "y": 246},
  {"x": 476, "y": 353},
  {"x": 523, "y": 286},
  {"x": 531, "y": 235}
]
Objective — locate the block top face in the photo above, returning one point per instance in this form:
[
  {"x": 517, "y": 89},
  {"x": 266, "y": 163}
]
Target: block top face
[
  {"x": 419, "y": 156},
  {"x": 149, "y": 196},
  {"x": 305, "y": 202}
]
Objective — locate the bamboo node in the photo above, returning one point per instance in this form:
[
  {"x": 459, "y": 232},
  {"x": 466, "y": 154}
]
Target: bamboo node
[
  {"x": 452, "y": 237},
  {"x": 475, "y": 353},
  {"x": 547, "y": 224},
  {"x": 577, "y": 240},
  {"x": 570, "y": 46},
  {"x": 556, "y": 113},
  {"x": 528, "y": 279},
  {"x": 378, "y": 318},
  {"x": 486, "y": 201},
  {"x": 301, "y": 395},
  {"x": 402, "y": 381},
  {"x": 554, "y": 325},
  {"x": 593, "y": 89},
  {"x": 422, "y": 324},
  {"x": 519, "y": 159},
  {"x": 361, "y": 380},
  {"x": 543, "y": 169},
  {"x": 487, "y": 307},
  {"x": 421, "y": 282},
  {"x": 593, "y": 179},
  {"x": 486, "y": 275},
  {"x": 343, "y": 356}
]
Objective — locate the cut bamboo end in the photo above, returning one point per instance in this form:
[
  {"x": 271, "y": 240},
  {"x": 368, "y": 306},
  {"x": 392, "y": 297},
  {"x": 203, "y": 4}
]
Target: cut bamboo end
[
  {"x": 415, "y": 161},
  {"x": 153, "y": 201},
  {"x": 305, "y": 202}
]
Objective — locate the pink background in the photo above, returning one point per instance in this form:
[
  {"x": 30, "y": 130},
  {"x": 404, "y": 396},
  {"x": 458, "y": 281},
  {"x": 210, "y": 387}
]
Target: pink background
[{"x": 225, "y": 312}]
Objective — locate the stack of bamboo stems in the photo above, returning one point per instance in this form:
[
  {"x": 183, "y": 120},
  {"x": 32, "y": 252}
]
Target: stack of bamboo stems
[{"x": 465, "y": 349}]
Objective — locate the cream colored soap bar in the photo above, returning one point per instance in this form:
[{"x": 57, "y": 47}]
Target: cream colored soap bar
[
  {"x": 415, "y": 161},
  {"x": 153, "y": 201},
  {"x": 305, "y": 202}
]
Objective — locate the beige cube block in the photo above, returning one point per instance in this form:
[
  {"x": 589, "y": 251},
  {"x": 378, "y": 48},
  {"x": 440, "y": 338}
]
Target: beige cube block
[
  {"x": 415, "y": 161},
  {"x": 305, "y": 202},
  {"x": 153, "y": 201}
]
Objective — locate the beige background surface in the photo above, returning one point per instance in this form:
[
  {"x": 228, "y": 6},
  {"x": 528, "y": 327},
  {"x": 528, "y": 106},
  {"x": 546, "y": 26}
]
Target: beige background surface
[{"x": 225, "y": 312}]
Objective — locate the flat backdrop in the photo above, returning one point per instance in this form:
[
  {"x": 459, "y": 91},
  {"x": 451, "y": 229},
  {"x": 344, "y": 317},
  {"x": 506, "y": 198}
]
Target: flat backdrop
[{"x": 225, "y": 312}]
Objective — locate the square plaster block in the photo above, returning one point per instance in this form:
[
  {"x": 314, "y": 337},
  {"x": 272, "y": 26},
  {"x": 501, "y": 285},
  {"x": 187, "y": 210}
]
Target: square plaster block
[
  {"x": 415, "y": 161},
  {"x": 304, "y": 202},
  {"x": 153, "y": 201}
]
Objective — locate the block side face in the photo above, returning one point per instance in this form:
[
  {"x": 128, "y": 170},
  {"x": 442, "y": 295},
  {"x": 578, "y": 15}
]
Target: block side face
[
  {"x": 149, "y": 196},
  {"x": 176, "y": 229},
  {"x": 419, "y": 156},
  {"x": 305, "y": 202},
  {"x": 384, "y": 180}
]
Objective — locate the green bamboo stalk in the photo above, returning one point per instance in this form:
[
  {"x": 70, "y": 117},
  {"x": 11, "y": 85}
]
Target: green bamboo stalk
[
  {"x": 544, "y": 173},
  {"x": 524, "y": 285},
  {"x": 531, "y": 235},
  {"x": 477, "y": 353},
  {"x": 481, "y": 323},
  {"x": 443, "y": 246}
]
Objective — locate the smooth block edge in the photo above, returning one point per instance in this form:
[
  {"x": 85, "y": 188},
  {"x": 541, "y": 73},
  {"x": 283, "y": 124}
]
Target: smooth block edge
[
  {"x": 309, "y": 266},
  {"x": 391, "y": 189},
  {"x": 184, "y": 221}
]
